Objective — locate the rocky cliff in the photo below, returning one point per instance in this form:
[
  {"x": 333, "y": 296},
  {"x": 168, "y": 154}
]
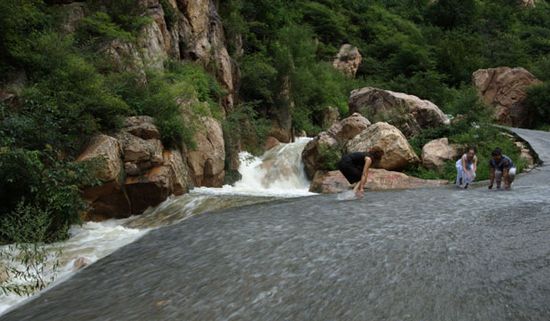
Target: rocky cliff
[{"x": 135, "y": 170}]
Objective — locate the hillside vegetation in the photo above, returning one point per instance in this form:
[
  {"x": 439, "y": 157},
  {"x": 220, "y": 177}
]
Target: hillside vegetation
[{"x": 66, "y": 92}]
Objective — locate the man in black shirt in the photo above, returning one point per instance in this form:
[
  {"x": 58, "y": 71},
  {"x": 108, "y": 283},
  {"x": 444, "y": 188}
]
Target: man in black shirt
[{"x": 355, "y": 167}]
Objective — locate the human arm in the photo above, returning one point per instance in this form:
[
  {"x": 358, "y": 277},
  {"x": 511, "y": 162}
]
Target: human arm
[
  {"x": 491, "y": 177},
  {"x": 365, "y": 175}
]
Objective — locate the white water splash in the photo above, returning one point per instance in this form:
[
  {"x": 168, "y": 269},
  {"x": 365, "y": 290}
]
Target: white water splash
[
  {"x": 87, "y": 243},
  {"x": 278, "y": 173}
]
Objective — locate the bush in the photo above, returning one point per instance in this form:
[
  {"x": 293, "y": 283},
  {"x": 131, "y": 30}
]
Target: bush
[
  {"x": 538, "y": 104},
  {"x": 45, "y": 184},
  {"x": 329, "y": 157}
]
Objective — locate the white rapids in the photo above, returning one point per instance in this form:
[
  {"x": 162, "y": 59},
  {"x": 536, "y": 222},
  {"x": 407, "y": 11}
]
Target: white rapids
[{"x": 279, "y": 173}]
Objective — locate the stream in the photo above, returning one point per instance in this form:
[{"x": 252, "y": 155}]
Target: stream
[{"x": 427, "y": 254}]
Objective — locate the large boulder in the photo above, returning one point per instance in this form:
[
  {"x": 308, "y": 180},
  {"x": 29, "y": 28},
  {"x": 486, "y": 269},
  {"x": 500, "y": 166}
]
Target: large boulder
[
  {"x": 348, "y": 60},
  {"x": 105, "y": 152},
  {"x": 331, "y": 142},
  {"x": 504, "y": 89},
  {"x": 436, "y": 152},
  {"x": 349, "y": 127},
  {"x": 207, "y": 160},
  {"x": 136, "y": 172},
  {"x": 407, "y": 112},
  {"x": 108, "y": 199},
  {"x": 398, "y": 153},
  {"x": 314, "y": 152},
  {"x": 329, "y": 182},
  {"x": 380, "y": 179}
]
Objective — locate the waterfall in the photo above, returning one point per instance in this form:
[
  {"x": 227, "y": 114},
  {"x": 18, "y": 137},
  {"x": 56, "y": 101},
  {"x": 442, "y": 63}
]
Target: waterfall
[{"x": 278, "y": 172}]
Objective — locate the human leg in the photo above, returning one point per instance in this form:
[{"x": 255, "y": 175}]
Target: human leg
[{"x": 498, "y": 178}]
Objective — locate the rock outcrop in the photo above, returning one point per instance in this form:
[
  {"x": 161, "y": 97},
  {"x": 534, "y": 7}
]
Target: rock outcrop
[
  {"x": 436, "y": 152},
  {"x": 348, "y": 60},
  {"x": 407, "y": 112},
  {"x": 330, "y": 116},
  {"x": 183, "y": 30},
  {"x": 504, "y": 89},
  {"x": 315, "y": 150},
  {"x": 380, "y": 179},
  {"x": 529, "y": 3},
  {"x": 333, "y": 139},
  {"x": 135, "y": 171},
  {"x": 330, "y": 182},
  {"x": 398, "y": 153},
  {"x": 207, "y": 160}
]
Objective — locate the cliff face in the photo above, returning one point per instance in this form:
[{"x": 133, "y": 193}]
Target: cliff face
[{"x": 182, "y": 30}]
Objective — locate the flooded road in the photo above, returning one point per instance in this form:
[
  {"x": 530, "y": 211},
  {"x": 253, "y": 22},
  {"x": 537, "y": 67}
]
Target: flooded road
[{"x": 432, "y": 254}]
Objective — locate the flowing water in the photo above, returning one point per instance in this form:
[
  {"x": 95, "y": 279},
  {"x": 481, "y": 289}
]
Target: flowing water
[
  {"x": 277, "y": 174},
  {"x": 429, "y": 254}
]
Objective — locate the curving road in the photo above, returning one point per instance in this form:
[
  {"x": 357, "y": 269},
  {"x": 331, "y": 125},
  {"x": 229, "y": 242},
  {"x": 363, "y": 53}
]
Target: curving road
[{"x": 433, "y": 254}]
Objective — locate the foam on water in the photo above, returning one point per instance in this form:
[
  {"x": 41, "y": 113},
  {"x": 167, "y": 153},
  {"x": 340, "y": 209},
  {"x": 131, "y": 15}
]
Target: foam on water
[
  {"x": 89, "y": 242},
  {"x": 279, "y": 173}
]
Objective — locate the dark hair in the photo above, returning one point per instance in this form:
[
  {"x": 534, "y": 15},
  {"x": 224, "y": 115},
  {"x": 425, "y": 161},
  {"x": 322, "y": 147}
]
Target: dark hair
[
  {"x": 376, "y": 153},
  {"x": 472, "y": 148},
  {"x": 497, "y": 152}
]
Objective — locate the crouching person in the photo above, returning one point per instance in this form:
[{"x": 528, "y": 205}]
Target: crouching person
[
  {"x": 355, "y": 167},
  {"x": 466, "y": 168},
  {"x": 502, "y": 169}
]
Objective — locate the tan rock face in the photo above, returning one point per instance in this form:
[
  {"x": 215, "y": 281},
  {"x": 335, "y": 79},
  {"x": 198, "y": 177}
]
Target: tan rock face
[
  {"x": 504, "y": 89},
  {"x": 150, "y": 173},
  {"x": 271, "y": 142},
  {"x": 207, "y": 161},
  {"x": 105, "y": 152},
  {"x": 329, "y": 182},
  {"x": 348, "y": 60},
  {"x": 407, "y": 112},
  {"x": 333, "y": 139},
  {"x": 312, "y": 153},
  {"x": 437, "y": 152},
  {"x": 529, "y": 3},
  {"x": 330, "y": 116},
  {"x": 350, "y": 127},
  {"x": 398, "y": 153},
  {"x": 142, "y": 127},
  {"x": 200, "y": 36},
  {"x": 380, "y": 179}
]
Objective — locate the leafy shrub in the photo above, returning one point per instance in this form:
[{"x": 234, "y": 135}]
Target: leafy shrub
[
  {"x": 29, "y": 265},
  {"x": 329, "y": 157},
  {"x": 538, "y": 104},
  {"x": 44, "y": 183}
]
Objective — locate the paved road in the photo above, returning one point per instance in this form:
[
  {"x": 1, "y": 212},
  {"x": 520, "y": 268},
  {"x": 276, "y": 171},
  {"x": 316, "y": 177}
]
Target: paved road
[{"x": 434, "y": 254}]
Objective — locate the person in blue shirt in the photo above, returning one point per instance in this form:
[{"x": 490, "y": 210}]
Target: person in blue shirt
[{"x": 502, "y": 168}]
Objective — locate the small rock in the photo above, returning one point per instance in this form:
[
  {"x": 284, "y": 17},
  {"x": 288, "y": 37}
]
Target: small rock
[
  {"x": 348, "y": 60},
  {"x": 81, "y": 263}
]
